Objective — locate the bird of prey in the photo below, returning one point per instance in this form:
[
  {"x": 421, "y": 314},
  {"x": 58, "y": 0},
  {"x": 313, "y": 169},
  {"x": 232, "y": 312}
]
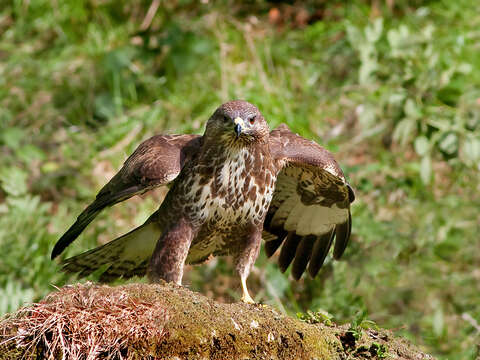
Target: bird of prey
[{"x": 232, "y": 186}]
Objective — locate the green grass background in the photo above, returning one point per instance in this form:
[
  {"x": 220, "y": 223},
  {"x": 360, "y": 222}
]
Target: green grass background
[{"x": 391, "y": 87}]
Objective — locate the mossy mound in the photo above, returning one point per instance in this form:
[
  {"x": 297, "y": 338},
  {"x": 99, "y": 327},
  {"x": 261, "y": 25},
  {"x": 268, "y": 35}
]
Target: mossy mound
[{"x": 166, "y": 321}]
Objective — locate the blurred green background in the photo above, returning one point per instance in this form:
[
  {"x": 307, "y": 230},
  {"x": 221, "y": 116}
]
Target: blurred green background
[{"x": 391, "y": 87}]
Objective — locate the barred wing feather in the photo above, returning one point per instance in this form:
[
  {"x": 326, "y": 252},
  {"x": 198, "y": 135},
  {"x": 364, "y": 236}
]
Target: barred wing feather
[{"x": 310, "y": 205}]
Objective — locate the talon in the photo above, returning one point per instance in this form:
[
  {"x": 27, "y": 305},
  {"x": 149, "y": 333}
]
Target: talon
[{"x": 247, "y": 299}]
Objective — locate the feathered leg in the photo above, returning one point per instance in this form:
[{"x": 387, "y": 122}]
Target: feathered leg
[
  {"x": 245, "y": 259},
  {"x": 169, "y": 256}
]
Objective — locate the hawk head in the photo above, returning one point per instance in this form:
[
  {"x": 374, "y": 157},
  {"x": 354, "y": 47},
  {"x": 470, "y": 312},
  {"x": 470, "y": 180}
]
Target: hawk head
[{"x": 237, "y": 122}]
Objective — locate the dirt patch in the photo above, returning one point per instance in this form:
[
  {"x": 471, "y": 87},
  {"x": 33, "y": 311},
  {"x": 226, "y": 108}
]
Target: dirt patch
[{"x": 166, "y": 321}]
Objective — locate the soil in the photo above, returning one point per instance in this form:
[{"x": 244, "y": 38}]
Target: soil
[{"x": 166, "y": 321}]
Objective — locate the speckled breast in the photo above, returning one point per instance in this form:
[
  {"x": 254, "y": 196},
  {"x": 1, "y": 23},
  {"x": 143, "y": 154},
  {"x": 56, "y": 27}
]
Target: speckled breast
[{"x": 235, "y": 195}]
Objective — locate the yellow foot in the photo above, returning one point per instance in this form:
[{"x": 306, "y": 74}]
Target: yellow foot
[{"x": 246, "y": 298}]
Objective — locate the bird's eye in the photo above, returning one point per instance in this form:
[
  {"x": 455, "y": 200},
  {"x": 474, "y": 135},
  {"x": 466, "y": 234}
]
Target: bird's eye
[
  {"x": 252, "y": 120},
  {"x": 225, "y": 118}
]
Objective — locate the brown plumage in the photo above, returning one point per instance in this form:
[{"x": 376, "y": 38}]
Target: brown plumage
[{"x": 232, "y": 186}]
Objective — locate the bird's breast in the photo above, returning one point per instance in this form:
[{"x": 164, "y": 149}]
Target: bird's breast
[{"x": 231, "y": 190}]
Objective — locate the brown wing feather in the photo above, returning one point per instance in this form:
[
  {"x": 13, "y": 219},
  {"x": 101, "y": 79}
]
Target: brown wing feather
[
  {"x": 288, "y": 251},
  {"x": 319, "y": 252},
  {"x": 157, "y": 161},
  {"x": 302, "y": 255},
  {"x": 311, "y": 203}
]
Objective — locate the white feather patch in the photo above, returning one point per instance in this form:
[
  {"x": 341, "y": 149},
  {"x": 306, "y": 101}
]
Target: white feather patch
[
  {"x": 283, "y": 211},
  {"x": 322, "y": 219},
  {"x": 139, "y": 244},
  {"x": 296, "y": 213},
  {"x": 306, "y": 221}
]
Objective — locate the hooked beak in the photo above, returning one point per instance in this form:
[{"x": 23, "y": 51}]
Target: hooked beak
[{"x": 238, "y": 126}]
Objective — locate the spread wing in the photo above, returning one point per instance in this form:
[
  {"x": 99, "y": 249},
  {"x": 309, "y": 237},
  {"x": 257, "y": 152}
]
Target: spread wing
[
  {"x": 157, "y": 161},
  {"x": 310, "y": 205}
]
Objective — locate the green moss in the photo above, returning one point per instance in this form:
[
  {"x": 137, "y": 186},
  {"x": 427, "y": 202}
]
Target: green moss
[{"x": 193, "y": 327}]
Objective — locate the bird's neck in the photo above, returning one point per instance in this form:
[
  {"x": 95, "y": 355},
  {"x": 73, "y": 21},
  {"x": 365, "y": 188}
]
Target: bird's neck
[{"x": 213, "y": 150}]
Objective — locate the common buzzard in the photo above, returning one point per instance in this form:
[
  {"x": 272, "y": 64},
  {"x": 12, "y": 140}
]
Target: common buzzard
[{"x": 232, "y": 186}]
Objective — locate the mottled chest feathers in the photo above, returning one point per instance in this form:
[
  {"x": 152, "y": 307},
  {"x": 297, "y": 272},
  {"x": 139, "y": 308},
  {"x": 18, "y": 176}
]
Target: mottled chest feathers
[{"x": 239, "y": 187}]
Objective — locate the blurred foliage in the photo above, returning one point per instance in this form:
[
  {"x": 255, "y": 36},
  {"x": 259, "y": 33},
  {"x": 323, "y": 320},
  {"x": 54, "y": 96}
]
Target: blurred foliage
[{"x": 392, "y": 87}]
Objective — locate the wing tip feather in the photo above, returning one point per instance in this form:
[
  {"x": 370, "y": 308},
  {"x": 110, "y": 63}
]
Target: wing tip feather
[
  {"x": 302, "y": 256},
  {"x": 342, "y": 234},
  {"x": 320, "y": 251},
  {"x": 288, "y": 251}
]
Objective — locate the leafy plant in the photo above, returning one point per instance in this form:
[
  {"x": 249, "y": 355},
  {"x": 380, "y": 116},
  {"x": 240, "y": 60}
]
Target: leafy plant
[
  {"x": 416, "y": 89},
  {"x": 359, "y": 323},
  {"x": 393, "y": 92},
  {"x": 379, "y": 350},
  {"x": 320, "y": 316}
]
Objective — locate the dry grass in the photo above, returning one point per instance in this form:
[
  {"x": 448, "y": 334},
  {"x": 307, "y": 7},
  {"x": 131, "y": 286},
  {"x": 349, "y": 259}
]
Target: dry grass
[
  {"x": 77, "y": 323},
  {"x": 167, "y": 321}
]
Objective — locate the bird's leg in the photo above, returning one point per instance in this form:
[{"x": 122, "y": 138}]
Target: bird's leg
[
  {"x": 169, "y": 256},
  {"x": 246, "y": 298},
  {"x": 245, "y": 259}
]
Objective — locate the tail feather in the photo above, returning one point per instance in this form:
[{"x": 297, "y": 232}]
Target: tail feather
[{"x": 125, "y": 256}]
